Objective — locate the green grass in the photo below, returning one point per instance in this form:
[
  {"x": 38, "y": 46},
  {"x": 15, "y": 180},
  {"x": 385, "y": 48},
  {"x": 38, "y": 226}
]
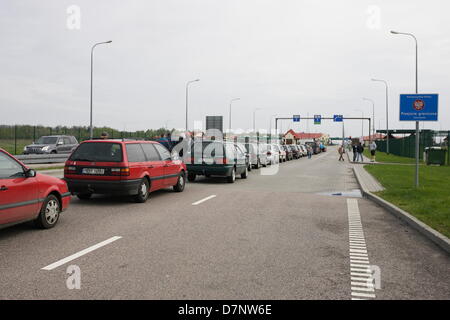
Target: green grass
[
  {"x": 389, "y": 158},
  {"x": 430, "y": 203},
  {"x": 8, "y": 145},
  {"x": 49, "y": 168}
]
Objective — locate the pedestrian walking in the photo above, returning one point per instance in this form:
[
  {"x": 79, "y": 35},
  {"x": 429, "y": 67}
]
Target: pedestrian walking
[
  {"x": 341, "y": 151},
  {"x": 355, "y": 152},
  {"x": 309, "y": 149},
  {"x": 373, "y": 149},
  {"x": 360, "y": 150}
]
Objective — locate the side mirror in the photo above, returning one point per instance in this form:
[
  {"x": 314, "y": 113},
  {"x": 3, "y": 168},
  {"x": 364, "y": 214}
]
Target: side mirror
[{"x": 30, "y": 173}]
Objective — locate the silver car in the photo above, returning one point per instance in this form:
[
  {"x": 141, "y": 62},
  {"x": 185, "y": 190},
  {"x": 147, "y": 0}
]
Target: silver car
[{"x": 52, "y": 144}]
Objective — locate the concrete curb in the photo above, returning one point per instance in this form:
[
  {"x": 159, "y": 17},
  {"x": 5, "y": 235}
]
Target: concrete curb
[{"x": 435, "y": 236}]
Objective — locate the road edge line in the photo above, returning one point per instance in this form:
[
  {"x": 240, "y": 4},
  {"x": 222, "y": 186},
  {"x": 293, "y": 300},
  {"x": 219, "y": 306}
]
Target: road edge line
[{"x": 435, "y": 236}]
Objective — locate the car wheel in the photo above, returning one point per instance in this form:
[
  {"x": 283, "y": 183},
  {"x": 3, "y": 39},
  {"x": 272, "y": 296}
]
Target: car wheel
[
  {"x": 53, "y": 152},
  {"x": 232, "y": 177},
  {"x": 143, "y": 191},
  {"x": 191, "y": 177},
  {"x": 84, "y": 196},
  {"x": 179, "y": 187},
  {"x": 244, "y": 174},
  {"x": 49, "y": 214}
]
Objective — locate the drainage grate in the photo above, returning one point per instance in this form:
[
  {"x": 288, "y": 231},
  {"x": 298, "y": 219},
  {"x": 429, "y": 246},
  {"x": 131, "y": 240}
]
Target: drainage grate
[{"x": 355, "y": 193}]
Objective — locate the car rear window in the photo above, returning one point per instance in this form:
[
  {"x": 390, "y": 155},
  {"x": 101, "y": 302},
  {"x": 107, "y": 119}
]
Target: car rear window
[
  {"x": 98, "y": 151},
  {"x": 208, "y": 149}
]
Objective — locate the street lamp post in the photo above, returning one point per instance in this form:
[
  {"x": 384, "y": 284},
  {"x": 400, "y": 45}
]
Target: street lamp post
[
  {"x": 387, "y": 113},
  {"x": 91, "y": 132},
  {"x": 373, "y": 114},
  {"x": 362, "y": 123},
  {"x": 254, "y": 121},
  {"x": 187, "y": 98},
  {"x": 229, "y": 124},
  {"x": 417, "y": 91}
]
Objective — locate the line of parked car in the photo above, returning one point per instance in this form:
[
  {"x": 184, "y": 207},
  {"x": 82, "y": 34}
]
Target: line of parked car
[{"x": 125, "y": 167}]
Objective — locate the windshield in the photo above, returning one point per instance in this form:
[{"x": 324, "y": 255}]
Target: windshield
[
  {"x": 47, "y": 140},
  {"x": 98, "y": 151}
]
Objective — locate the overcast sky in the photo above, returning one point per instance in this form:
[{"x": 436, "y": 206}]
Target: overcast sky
[{"x": 283, "y": 56}]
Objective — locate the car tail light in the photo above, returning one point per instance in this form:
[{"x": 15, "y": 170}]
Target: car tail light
[
  {"x": 221, "y": 161},
  {"x": 120, "y": 171},
  {"x": 70, "y": 169}
]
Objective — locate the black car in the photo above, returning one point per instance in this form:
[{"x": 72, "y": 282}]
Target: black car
[{"x": 217, "y": 158}]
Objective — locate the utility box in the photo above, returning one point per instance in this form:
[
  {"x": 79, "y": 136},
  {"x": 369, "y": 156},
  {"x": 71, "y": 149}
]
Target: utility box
[{"x": 435, "y": 155}]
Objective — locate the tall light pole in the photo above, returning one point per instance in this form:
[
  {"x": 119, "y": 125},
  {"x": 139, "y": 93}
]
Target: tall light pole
[
  {"x": 91, "y": 132},
  {"x": 229, "y": 124},
  {"x": 417, "y": 91},
  {"x": 270, "y": 122},
  {"x": 373, "y": 115},
  {"x": 362, "y": 122},
  {"x": 254, "y": 121},
  {"x": 387, "y": 113},
  {"x": 187, "y": 99}
]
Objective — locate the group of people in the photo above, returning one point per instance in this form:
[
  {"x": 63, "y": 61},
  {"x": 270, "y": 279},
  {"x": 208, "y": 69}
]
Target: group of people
[{"x": 358, "y": 150}]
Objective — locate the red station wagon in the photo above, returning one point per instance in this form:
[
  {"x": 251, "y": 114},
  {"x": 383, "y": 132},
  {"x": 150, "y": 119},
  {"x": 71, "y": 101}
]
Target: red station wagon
[
  {"x": 26, "y": 195},
  {"x": 130, "y": 167}
]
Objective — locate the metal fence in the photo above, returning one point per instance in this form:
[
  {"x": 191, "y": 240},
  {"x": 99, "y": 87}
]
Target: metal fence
[
  {"x": 15, "y": 137},
  {"x": 402, "y": 143}
]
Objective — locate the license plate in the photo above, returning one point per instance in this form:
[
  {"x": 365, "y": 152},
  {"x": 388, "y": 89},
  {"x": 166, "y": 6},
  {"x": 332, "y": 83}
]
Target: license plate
[{"x": 93, "y": 171}]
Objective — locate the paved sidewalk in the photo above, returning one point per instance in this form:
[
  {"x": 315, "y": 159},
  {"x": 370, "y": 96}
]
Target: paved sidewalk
[{"x": 367, "y": 181}]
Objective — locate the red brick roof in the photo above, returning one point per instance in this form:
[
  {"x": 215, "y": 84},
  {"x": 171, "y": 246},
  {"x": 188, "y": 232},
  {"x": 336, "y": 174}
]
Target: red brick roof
[{"x": 303, "y": 135}]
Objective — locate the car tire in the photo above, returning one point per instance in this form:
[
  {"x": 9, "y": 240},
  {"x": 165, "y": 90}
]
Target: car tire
[
  {"x": 181, "y": 182},
  {"x": 191, "y": 177},
  {"x": 49, "y": 214},
  {"x": 84, "y": 196},
  {"x": 244, "y": 174},
  {"x": 232, "y": 177},
  {"x": 53, "y": 152},
  {"x": 143, "y": 191}
]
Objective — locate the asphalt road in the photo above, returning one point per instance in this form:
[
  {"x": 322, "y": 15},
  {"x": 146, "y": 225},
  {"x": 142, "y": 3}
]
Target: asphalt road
[{"x": 281, "y": 236}]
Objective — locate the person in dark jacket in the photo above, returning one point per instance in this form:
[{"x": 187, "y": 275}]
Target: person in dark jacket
[
  {"x": 360, "y": 150},
  {"x": 355, "y": 152}
]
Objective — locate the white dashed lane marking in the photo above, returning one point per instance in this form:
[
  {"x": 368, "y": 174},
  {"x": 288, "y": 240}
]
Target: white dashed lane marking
[
  {"x": 80, "y": 253},
  {"x": 203, "y": 200},
  {"x": 362, "y": 282}
]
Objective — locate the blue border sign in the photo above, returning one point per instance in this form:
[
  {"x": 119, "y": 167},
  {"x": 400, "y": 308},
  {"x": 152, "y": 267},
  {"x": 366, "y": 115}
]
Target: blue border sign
[
  {"x": 419, "y": 107},
  {"x": 317, "y": 119},
  {"x": 338, "y": 118},
  {"x": 296, "y": 118}
]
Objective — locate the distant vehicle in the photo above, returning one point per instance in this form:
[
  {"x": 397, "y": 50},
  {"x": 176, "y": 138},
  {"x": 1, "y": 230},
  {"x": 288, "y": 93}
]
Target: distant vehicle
[
  {"x": 243, "y": 148},
  {"x": 130, "y": 167},
  {"x": 297, "y": 154},
  {"x": 281, "y": 153},
  {"x": 29, "y": 196},
  {"x": 217, "y": 158},
  {"x": 52, "y": 144},
  {"x": 258, "y": 155},
  {"x": 273, "y": 154},
  {"x": 289, "y": 153},
  {"x": 304, "y": 150}
]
